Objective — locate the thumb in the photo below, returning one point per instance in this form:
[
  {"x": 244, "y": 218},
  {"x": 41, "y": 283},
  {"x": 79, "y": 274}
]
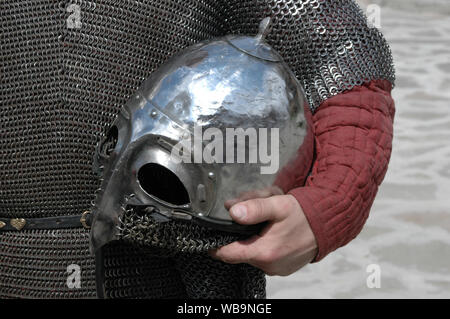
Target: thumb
[{"x": 257, "y": 210}]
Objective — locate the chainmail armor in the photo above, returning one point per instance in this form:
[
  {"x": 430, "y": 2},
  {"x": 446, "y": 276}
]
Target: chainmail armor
[
  {"x": 61, "y": 88},
  {"x": 33, "y": 264},
  {"x": 171, "y": 238},
  {"x": 328, "y": 44}
]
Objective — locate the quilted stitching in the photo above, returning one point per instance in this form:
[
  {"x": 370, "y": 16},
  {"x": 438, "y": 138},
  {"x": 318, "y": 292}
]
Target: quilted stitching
[{"x": 353, "y": 140}]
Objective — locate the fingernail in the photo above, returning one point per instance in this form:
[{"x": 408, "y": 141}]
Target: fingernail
[
  {"x": 239, "y": 211},
  {"x": 229, "y": 203}
]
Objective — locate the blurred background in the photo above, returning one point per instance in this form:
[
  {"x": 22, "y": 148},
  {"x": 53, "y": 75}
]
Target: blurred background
[{"x": 407, "y": 236}]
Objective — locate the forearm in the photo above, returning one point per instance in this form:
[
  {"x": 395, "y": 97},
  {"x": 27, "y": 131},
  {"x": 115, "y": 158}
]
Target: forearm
[{"x": 353, "y": 140}]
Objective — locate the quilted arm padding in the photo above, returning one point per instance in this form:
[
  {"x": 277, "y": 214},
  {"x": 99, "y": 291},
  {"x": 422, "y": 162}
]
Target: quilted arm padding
[{"x": 353, "y": 139}]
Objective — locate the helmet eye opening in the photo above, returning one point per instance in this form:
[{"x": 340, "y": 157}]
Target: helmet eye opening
[{"x": 162, "y": 183}]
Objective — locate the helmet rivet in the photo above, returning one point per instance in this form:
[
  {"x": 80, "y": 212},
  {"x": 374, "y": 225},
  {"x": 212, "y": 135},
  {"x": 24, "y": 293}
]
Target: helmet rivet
[
  {"x": 211, "y": 175},
  {"x": 153, "y": 114}
]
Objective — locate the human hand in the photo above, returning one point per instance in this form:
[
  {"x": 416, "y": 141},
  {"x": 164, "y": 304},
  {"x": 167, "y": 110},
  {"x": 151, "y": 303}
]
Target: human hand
[{"x": 285, "y": 245}]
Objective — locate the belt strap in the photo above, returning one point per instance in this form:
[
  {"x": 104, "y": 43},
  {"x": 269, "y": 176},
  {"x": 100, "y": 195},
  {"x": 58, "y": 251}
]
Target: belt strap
[{"x": 59, "y": 222}]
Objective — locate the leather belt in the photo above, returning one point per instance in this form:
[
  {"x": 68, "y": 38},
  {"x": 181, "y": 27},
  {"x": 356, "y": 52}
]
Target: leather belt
[{"x": 59, "y": 222}]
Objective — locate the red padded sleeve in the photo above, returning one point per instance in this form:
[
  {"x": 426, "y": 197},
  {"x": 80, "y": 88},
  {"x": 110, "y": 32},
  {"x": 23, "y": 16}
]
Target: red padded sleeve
[{"x": 353, "y": 140}]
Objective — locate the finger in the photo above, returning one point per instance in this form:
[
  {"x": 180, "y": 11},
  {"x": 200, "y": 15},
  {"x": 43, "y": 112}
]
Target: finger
[
  {"x": 236, "y": 252},
  {"x": 258, "y": 193},
  {"x": 257, "y": 252},
  {"x": 258, "y": 210}
]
